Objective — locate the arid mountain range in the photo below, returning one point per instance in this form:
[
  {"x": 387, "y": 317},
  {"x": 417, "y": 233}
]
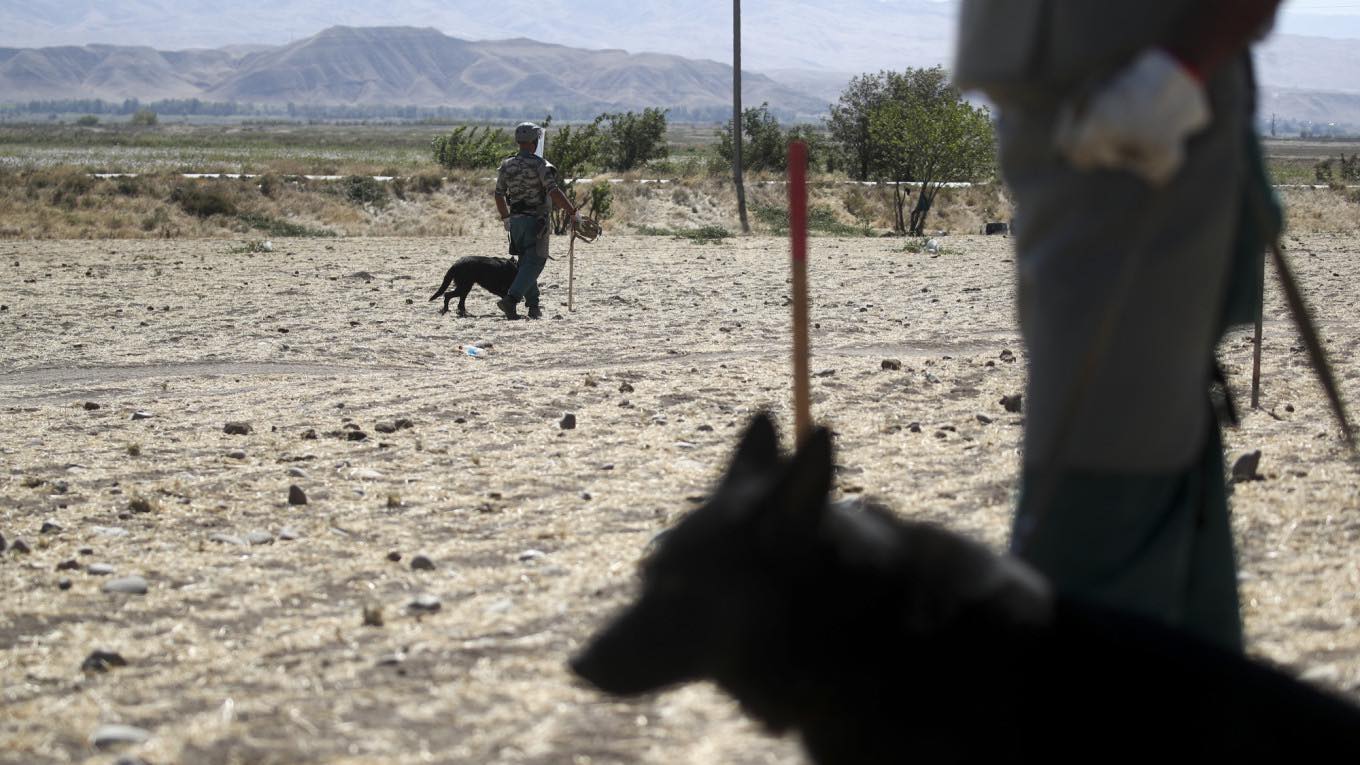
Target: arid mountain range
[{"x": 1304, "y": 78}]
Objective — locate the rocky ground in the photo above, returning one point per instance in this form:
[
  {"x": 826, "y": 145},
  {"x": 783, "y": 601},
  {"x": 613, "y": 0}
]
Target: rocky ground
[{"x": 160, "y": 400}]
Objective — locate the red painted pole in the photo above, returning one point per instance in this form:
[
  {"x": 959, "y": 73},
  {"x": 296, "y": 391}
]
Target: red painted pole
[{"x": 802, "y": 398}]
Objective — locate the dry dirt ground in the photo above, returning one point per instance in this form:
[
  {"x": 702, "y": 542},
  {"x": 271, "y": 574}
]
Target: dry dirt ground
[{"x": 244, "y": 652}]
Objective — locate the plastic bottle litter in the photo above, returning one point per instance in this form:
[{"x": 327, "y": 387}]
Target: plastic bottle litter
[{"x": 479, "y": 350}]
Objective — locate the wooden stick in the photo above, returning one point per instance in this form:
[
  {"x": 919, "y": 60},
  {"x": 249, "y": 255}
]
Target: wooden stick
[
  {"x": 571, "y": 271},
  {"x": 1256, "y": 352},
  {"x": 802, "y": 398}
]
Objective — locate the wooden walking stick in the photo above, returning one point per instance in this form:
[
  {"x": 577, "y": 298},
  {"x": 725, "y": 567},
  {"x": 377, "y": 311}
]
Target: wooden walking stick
[
  {"x": 571, "y": 270},
  {"x": 802, "y": 398}
]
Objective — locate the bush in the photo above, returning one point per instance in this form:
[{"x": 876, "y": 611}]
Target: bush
[
  {"x": 88, "y": 120},
  {"x": 275, "y": 227},
  {"x": 364, "y": 190},
  {"x": 601, "y": 201},
  {"x": 467, "y": 148},
  {"x": 427, "y": 183},
  {"x": 144, "y": 118},
  {"x": 203, "y": 201}
]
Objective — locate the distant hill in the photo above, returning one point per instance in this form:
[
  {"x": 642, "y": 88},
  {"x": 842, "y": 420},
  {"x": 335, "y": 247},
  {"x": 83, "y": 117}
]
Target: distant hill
[{"x": 392, "y": 66}]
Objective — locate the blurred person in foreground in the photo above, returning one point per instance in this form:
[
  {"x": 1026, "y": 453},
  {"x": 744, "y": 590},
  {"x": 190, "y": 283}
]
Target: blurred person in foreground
[
  {"x": 1126, "y": 136},
  {"x": 526, "y": 190}
]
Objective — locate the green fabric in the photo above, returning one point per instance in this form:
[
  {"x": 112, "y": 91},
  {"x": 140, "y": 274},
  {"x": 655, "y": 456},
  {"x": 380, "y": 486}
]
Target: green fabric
[
  {"x": 1260, "y": 223},
  {"x": 1156, "y": 544}
]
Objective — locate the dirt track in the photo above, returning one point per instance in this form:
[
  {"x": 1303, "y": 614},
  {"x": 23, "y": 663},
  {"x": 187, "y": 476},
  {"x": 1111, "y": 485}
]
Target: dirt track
[{"x": 257, "y": 653}]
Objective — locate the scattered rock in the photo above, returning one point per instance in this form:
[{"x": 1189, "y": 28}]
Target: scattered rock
[
  {"x": 109, "y": 531},
  {"x": 585, "y": 495},
  {"x": 914, "y": 427},
  {"x": 237, "y": 429},
  {"x": 385, "y": 427},
  {"x": 365, "y": 474},
  {"x": 625, "y": 388},
  {"x": 236, "y": 454},
  {"x": 1244, "y": 469},
  {"x": 309, "y": 434},
  {"x": 289, "y": 534},
  {"x": 91, "y": 406},
  {"x": 260, "y": 538},
  {"x": 63, "y": 584},
  {"x": 140, "y": 505},
  {"x": 106, "y": 736},
  {"x": 355, "y": 435},
  {"x": 1013, "y": 404},
  {"x": 404, "y": 423},
  {"x": 568, "y": 421},
  {"x": 531, "y": 555},
  {"x": 984, "y": 419},
  {"x": 49, "y": 527},
  {"x": 373, "y": 616},
  {"x": 99, "y": 569},
  {"x": 142, "y": 415},
  {"x": 393, "y": 501},
  {"x": 932, "y": 379},
  {"x": 1007, "y": 356},
  {"x": 394, "y": 556},
  {"x": 426, "y": 604},
  {"x": 296, "y": 496},
  {"x": 893, "y": 365},
  {"x": 20, "y": 546},
  {"x": 227, "y": 539},
  {"x": 127, "y": 585},
  {"x": 422, "y": 563},
  {"x": 102, "y": 661},
  {"x": 68, "y": 565},
  {"x": 297, "y": 472}
]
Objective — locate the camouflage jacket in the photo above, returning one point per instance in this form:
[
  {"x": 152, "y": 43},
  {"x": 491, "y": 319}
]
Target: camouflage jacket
[{"x": 524, "y": 181}]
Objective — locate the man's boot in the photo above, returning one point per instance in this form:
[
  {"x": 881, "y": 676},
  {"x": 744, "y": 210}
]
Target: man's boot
[
  {"x": 507, "y": 304},
  {"x": 534, "y": 312}
]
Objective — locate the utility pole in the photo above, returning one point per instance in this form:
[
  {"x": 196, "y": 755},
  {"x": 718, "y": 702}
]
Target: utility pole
[{"x": 736, "y": 116}]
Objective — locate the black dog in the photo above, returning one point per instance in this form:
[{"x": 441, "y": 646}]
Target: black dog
[
  {"x": 495, "y": 275},
  {"x": 883, "y": 641}
]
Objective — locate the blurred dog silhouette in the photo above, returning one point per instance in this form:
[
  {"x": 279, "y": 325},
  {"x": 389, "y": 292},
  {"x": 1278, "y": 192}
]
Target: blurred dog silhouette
[
  {"x": 495, "y": 275},
  {"x": 884, "y": 641}
]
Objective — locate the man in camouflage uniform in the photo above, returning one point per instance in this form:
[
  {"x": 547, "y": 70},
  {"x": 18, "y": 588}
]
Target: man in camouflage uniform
[
  {"x": 1125, "y": 131},
  {"x": 526, "y": 189}
]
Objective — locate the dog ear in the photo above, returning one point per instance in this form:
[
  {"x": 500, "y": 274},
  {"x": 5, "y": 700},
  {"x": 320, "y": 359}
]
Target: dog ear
[
  {"x": 758, "y": 450},
  {"x": 810, "y": 476}
]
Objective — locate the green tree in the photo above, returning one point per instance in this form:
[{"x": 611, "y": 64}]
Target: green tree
[
  {"x": 849, "y": 122},
  {"x": 633, "y": 139},
  {"x": 927, "y": 134},
  {"x": 144, "y": 118},
  {"x": 470, "y": 148},
  {"x": 763, "y": 145},
  {"x": 575, "y": 152}
]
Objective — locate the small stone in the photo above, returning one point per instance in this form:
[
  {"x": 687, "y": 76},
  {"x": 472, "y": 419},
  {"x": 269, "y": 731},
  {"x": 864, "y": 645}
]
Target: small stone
[
  {"x": 227, "y": 539},
  {"x": 63, "y": 584},
  {"x": 102, "y": 661},
  {"x": 309, "y": 435},
  {"x": 422, "y": 563},
  {"x": 140, "y": 505},
  {"x": 394, "y": 556},
  {"x": 355, "y": 435},
  {"x": 1289, "y": 407},
  {"x": 893, "y": 365},
  {"x": 531, "y": 555},
  {"x": 404, "y": 423},
  {"x": 106, "y": 736},
  {"x": 932, "y": 379},
  {"x": 128, "y": 585},
  {"x": 625, "y": 388},
  {"x": 393, "y": 501},
  {"x": 237, "y": 429},
  {"x": 297, "y": 472},
  {"x": 984, "y": 419},
  {"x": 141, "y": 415},
  {"x": 289, "y": 534},
  {"x": 20, "y": 546},
  {"x": 236, "y": 454},
  {"x": 1013, "y": 404},
  {"x": 427, "y": 604},
  {"x": 260, "y": 538},
  {"x": 91, "y": 406},
  {"x": 99, "y": 569},
  {"x": 68, "y": 565},
  {"x": 385, "y": 427},
  {"x": 49, "y": 527},
  {"x": 86, "y": 551},
  {"x": 296, "y": 496},
  {"x": 586, "y": 496},
  {"x": 1007, "y": 356},
  {"x": 365, "y": 474},
  {"x": 1244, "y": 469},
  {"x": 568, "y": 421},
  {"x": 914, "y": 427},
  {"x": 373, "y": 616}
]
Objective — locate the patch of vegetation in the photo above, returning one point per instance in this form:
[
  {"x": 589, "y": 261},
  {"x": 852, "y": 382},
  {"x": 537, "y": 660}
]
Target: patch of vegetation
[
  {"x": 364, "y": 190},
  {"x": 702, "y": 235},
  {"x": 821, "y": 220},
  {"x": 471, "y": 148},
  {"x": 275, "y": 227},
  {"x": 144, "y": 118},
  {"x": 203, "y": 201},
  {"x": 427, "y": 183},
  {"x": 88, "y": 120}
]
